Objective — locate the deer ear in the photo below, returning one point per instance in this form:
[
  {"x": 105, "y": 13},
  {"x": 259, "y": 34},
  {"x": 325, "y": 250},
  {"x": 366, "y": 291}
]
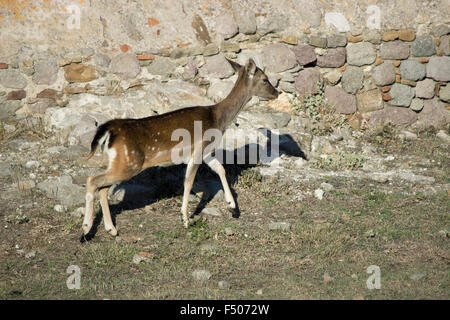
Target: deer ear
[
  {"x": 251, "y": 67},
  {"x": 236, "y": 66}
]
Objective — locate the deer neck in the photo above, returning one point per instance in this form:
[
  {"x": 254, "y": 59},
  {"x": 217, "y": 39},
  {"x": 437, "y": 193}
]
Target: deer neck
[{"x": 227, "y": 110}]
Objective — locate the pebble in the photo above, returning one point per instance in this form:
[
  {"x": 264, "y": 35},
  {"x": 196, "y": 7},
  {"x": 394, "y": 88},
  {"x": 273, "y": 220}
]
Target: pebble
[
  {"x": 326, "y": 186},
  {"x": 78, "y": 212},
  {"x": 229, "y": 231},
  {"x": 215, "y": 212},
  {"x": 30, "y": 254},
  {"x": 442, "y": 135},
  {"x": 32, "y": 164},
  {"x": 417, "y": 276},
  {"x": 59, "y": 208},
  {"x": 137, "y": 258},
  {"x": 406, "y": 135},
  {"x": 201, "y": 275},
  {"x": 327, "y": 278},
  {"x": 444, "y": 233},
  {"x": 318, "y": 193},
  {"x": 279, "y": 226},
  {"x": 224, "y": 285},
  {"x": 299, "y": 163}
]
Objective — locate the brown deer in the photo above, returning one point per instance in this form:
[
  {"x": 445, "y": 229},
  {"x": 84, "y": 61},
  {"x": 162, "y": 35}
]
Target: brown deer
[{"x": 133, "y": 145}]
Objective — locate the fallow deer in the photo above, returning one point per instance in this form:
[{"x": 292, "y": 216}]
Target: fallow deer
[{"x": 133, "y": 145}]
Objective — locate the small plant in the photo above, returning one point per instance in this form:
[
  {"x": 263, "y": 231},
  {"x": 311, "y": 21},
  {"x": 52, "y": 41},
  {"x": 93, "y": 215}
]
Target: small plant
[
  {"x": 318, "y": 110},
  {"x": 249, "y": 177},
  {"x": 339, "y": 161}
]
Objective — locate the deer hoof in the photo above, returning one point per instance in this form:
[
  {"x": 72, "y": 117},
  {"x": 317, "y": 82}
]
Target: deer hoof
[
  {"x": 86, "y": 228},
  {"x": 112, "y": 232},
  {"x": 234, "y": 212}
]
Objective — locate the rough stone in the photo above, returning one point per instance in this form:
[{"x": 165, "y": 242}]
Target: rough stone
[
  {"x": 5, "y": 169},
  {"x": 16, "y": 95},
  {"x": 190, "y": 70},
  {"x": 390, "y": 35},
  {"x": 361, "y": 53},
  {"x": 62, "y": 189},
  {"x": 126, "y": 65},
  {"x": 438, "y": 68},
  {"x": 304, "y": 54},
  {"x": 416, "y": 104},
  {"x": 445, "y": 45},
  {"x": 47, "y": 94},
  {"x": 306, "y": 81},
  {"x": 219, "y": 89},
  {"x": 406, "y": 35},
  {"x": 270, "y": 23},
  {"x": 444, "y": 93},
  {"x": 310, "y": 14},
  {"x": 216, "y": 67},
  {"x": 333, "y": 77},
  {"x": 8, "y": 108},
  {"x": 423, "y": 46},
  {"x": 402, "y": 95},
  {"x": 425, "y": 89},
  {"x": 384, "y": 74},
  {"x": 211, "y": 49},
  {"x": 442, "y": 135},
  {"x": 334, "y": 58},
  {"x": 162, "y": 66},
  {"x": 79, "y": 73},
  {"x": 412, "y": 70},
  {"x": 352, "y": 79},
  {"x": 45, "y": 72},
  {"x": 433, "y": 114},
  {"x": 12, "y": 79},
  {"x": 396, "y": 116},
  {"x": 368, "y": 101},
  {"x": 226, "y": 26},
  {"x": 278, "y": 58},
  {"x": 394, "y": 50},
  {"x": 343, "y": 102},
  {"x": 84, "y": 131},
  {"x": 372, "y": 36},
  {"x": 318, "y": 41},
  {"x": 100, "y": 60},
  {"x": 336, "y": 40},
  {"x": 244, "y": 18},
  {"x": 440, "y": 30},
  {"x": 41, "y": 105},
  {"x": 227, "y": 46}
]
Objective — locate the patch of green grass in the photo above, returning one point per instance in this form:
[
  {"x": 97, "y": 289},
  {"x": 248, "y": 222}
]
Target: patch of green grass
[{"x": 199, "y": 231}]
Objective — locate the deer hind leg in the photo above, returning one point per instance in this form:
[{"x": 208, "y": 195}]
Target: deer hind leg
[
  {"x": 218, "y": 168},
  {"x": 109, "y": 225},
  {"x": 119, "y": 171},
  {"x": 191, "y": 171}
]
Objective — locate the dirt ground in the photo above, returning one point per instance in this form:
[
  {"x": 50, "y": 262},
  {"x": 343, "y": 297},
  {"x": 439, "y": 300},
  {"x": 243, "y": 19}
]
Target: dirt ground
[{"x": 287, "y": 243}]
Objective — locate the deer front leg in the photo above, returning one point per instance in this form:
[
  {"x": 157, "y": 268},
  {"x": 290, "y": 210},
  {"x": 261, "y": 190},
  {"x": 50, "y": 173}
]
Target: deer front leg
[
  {"x": 218, "y": 168},
  {"x": 191, "y": 171}
]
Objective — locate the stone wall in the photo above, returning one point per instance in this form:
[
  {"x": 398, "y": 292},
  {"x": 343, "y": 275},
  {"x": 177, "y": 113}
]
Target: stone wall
[{"x": 80, "y": 63}]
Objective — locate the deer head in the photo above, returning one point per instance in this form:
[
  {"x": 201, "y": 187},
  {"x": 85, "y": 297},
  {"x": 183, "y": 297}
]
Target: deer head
[{"x": 257, "y": 81}]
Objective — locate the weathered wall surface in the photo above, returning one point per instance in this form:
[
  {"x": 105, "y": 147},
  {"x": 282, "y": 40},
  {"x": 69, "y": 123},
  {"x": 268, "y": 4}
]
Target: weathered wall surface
[{"x": 78, "y": 63}]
